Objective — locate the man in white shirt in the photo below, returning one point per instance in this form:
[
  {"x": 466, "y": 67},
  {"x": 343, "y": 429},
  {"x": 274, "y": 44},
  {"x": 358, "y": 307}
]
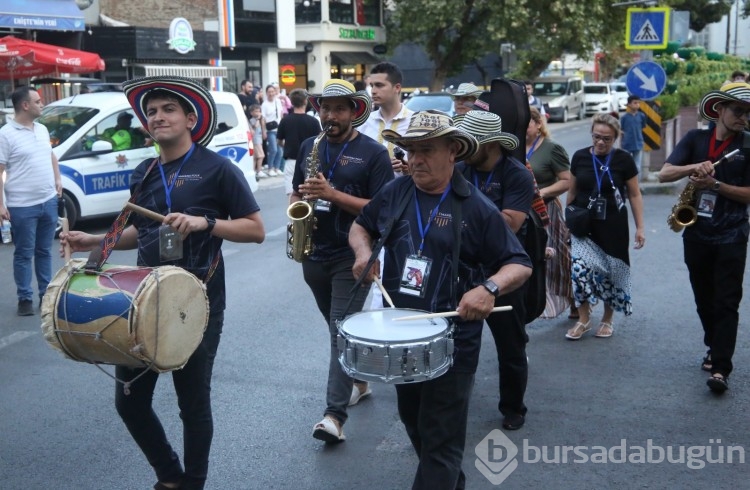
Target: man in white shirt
[
  {"x": 385, "y": 82},
  {"x": 31, "y": 191}
]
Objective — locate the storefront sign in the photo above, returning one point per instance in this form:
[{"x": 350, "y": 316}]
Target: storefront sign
[
  {"x": 288, "y": 75},
  {"x": 368, "y": 34},
  {"x": 181, "y": 36}
]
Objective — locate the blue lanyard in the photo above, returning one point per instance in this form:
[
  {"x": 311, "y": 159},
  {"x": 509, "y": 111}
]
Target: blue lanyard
[
  {"x": 604, "y": 168},
  {"x": 336, "y": 162},
  {"x": 488, "y": 181},
  {"x": 531, "y": 151},
  {"x": 167, "y": 187},
  {"x": 424, "y": 229}
]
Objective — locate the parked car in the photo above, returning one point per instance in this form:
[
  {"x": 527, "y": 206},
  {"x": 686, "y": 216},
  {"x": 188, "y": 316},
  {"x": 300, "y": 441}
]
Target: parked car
[
  {"x": 562, "y": 96},
  {"x": 599, "y": 97},
  {"x": 96, "y": 177},
  {"x": 423, "y": 101},
  {"x": 621, "y": 94}
]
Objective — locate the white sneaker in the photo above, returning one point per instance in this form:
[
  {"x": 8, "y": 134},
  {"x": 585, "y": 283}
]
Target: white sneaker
[
  {"x": 273, "y": 173},
  {"x": 262, "y": 174}
]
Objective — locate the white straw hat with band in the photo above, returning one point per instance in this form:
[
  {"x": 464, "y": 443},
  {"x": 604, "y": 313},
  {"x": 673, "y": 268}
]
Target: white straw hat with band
[
  {"x": 341, "y": 88},
  {"x": 431, "y": 124},
  {"x": 486, "y": 127},
  {"x": 730, "y": 92}
]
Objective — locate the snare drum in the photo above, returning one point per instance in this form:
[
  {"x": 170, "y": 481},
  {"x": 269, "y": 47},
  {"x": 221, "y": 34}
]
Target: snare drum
[
  {"x": 374, "y": 347},
  {"x": 150, "y": 317}
]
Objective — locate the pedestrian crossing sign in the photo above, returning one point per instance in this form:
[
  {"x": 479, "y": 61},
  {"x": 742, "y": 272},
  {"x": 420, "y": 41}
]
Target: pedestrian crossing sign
[{"x": 647, "y": 28}]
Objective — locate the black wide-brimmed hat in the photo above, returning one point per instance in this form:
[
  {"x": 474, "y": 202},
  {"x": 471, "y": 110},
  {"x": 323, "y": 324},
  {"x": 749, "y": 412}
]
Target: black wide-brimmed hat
[{"x": 195, "y": 94}]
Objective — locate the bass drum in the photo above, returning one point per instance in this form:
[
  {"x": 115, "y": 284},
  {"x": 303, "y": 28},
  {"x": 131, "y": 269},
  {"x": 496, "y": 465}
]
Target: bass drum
[
  {"x": 375, "y": 346},
  {"x": 149, "y": 317}
]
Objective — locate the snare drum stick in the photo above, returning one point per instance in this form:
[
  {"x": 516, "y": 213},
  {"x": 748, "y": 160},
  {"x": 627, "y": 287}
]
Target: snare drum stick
[
  {"x": 444, "y": 314},
  {"x": 382, "y": 290},
  {"x": 144, "y": 212}
]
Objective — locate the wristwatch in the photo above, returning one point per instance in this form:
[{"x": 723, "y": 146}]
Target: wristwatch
[
  {"x": 490, "y": 286},
  {"x": 211, "y": 223},
  {"x": 716, "y": 186}
]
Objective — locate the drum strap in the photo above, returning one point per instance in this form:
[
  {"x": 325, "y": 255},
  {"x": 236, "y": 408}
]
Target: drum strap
[
  {"x": 99, "y": 256},
  {"x": 405, "y": 199},
  {"x": 456, "y": 219}
]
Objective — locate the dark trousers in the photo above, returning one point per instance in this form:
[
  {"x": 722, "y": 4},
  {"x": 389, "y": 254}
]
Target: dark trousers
[
  {"x": 435, "y": 414},
  {"x": 331, "y": 284},
  {"x": 193, "y": 388},
  {"x": 716, "y": 274},
  {"x": 509, "y": 332}
]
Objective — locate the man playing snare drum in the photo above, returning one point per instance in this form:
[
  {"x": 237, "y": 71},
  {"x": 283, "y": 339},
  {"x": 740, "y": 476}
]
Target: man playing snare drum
[
  {"x": 198, "y": 191},
  {"x": 492, "y": 262}
]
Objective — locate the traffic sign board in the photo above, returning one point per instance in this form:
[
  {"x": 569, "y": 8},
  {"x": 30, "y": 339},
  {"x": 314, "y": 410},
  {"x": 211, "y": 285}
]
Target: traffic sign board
[
  {"x": 646, "y": 79},
  {"x": 647, "y": 28}
]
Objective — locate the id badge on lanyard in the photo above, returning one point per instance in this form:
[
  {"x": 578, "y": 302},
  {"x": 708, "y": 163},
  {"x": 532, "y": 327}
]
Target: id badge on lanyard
[{"x": 170, "y": 241}]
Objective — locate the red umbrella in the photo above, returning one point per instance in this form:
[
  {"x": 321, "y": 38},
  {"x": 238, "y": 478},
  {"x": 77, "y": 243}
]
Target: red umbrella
[{"x": 23, "y": 59}]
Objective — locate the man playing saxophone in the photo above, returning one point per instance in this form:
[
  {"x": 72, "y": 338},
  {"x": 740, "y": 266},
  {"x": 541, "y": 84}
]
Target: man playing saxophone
[
  {"x": 351, "y": 168},
  {"x": 715, "y": 246}
]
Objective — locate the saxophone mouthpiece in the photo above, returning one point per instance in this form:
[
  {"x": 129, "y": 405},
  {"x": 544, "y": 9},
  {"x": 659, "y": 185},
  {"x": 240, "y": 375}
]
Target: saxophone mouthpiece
[{"x": 327, "y": 128}]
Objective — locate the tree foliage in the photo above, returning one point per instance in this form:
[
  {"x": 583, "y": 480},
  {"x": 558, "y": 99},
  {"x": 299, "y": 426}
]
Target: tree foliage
[
  {"x": 458, "y": 33},
  {"x": 703, "y": 12}
]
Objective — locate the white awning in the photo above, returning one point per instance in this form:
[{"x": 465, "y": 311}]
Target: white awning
[{"x": 189, "y": 71}]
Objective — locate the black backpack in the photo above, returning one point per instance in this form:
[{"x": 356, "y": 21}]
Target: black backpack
[{"x": 508, "y": 99}]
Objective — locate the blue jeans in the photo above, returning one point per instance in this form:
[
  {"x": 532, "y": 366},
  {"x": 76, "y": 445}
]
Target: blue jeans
[
  {"x": 33, "y": 233},
  {"x": 638, "y": 157},
  {"x": 275, "y": 155}
]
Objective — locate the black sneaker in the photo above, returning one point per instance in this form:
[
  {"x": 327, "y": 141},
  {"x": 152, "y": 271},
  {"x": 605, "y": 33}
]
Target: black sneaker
[{"x": 25, "y": 307}]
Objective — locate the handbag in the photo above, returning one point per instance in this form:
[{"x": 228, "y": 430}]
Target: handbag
[
  {"x": 271, "y": 125},
  {"x": 578, "y": 220}
]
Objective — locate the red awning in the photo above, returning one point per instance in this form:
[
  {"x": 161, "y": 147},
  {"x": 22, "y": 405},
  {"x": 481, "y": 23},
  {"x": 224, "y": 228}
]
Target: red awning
[{"x": 23, "y": 59}]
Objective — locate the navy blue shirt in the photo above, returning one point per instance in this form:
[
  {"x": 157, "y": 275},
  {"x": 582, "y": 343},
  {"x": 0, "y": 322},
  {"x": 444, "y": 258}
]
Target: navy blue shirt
[
  {"x": 208, "y": 184},
  {"x": 361, "y": 171},
  {"x": 510, "y": 185},
  {"x": 729, "y": 221},
  {"x": 632, "y": 125},
  {"x": 487, "y": 244}
]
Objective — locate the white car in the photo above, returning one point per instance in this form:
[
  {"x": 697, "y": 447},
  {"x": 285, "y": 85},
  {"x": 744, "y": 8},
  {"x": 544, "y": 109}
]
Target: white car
[
  {"x": 96, "y": 175},
  {"x": 621, "y": 95},
  {"x": 599, "y": 98}
]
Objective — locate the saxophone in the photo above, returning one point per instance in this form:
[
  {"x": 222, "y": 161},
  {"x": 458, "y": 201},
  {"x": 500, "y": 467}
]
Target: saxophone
[
  {"x": 299, "y": 230},
  {"x": 683, "y": 212}
]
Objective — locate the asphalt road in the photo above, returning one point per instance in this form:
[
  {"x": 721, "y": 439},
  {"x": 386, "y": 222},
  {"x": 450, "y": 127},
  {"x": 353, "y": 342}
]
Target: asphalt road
[{"x": 602, "y": 399}]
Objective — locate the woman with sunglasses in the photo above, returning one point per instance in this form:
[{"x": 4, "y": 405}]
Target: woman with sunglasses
[{"x": 603, "y": 178}]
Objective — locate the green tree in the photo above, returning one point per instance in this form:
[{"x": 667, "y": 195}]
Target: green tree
[{"x": 703, "y": 12}]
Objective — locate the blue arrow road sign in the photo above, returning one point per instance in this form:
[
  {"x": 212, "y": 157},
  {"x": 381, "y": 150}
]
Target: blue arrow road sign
[
  {"x": 646, "y": 80},
  {"x": 647, "y": 28}
]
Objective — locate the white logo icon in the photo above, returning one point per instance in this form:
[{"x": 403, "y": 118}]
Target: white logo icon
[{"x": 496, "y": 457}]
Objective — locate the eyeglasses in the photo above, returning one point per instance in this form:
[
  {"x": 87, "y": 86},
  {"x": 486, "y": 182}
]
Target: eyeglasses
[
  {"x": 603, "y": 139},
  {"x": 738, "y": 111}
]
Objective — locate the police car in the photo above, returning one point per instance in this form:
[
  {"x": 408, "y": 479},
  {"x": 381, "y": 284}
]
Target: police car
[{"x": 97, "y": 156}]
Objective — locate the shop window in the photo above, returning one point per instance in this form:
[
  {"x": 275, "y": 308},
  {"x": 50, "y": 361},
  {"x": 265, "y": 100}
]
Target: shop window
[
  {"x": 368, "y": 12},
  {"x": 341, "y": 11},
  {"x": 307, "y": 11}
]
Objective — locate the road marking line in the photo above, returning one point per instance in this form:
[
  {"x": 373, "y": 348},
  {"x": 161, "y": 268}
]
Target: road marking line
[{"x": 15, "y": 337}]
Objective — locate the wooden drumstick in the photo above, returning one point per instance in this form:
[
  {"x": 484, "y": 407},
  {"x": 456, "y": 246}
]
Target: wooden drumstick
[
  {"x": 385, "y": 293},
  {"x": 444, "y": 314},
  {"x": 144, "y": 212},
  {"x": 65, "y": 228}
]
